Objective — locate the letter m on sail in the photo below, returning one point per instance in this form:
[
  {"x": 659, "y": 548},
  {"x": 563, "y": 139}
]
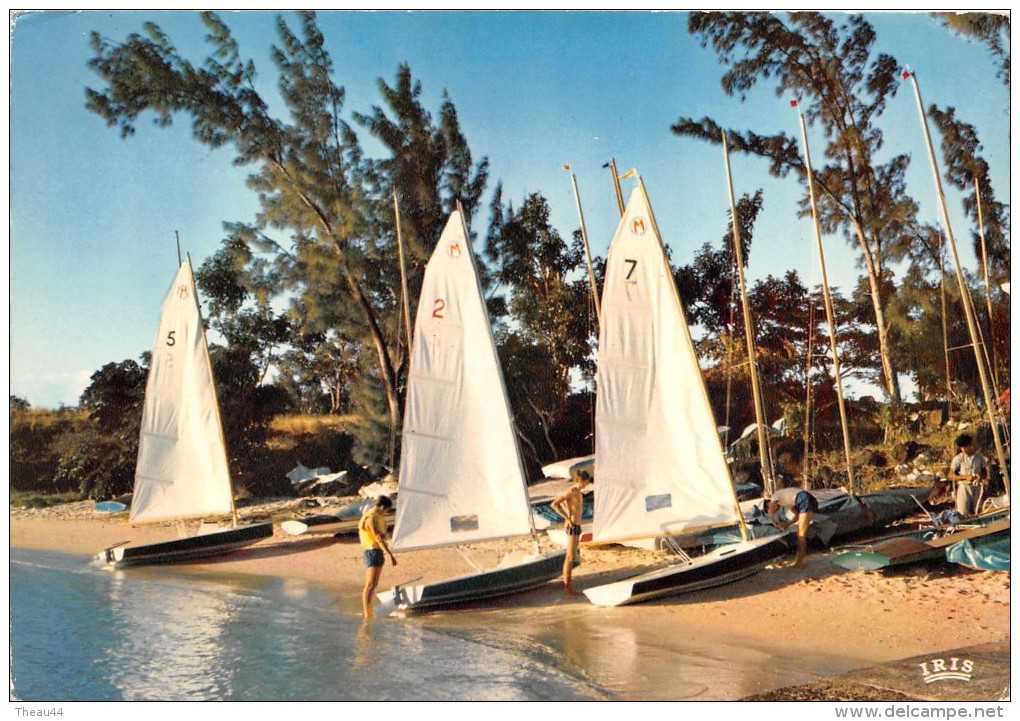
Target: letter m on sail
[
  {"x": 638, "y": 226},
  {"x": 454, "y": 250}
]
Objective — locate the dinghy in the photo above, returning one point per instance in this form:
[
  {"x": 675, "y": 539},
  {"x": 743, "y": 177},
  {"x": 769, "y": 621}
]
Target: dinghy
[
  {"x": 927, "y": 544},
  {"x": 660, "y": 467},
  {"x": 181, "y": 472},
  {"x": 461, "y": 476}
]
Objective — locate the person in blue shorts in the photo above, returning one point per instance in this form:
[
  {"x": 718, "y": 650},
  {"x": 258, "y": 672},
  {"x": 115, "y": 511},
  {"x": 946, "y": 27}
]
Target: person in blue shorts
[
  {"x": 802, "y": 505},
  {"x": 372, "y": 534}
]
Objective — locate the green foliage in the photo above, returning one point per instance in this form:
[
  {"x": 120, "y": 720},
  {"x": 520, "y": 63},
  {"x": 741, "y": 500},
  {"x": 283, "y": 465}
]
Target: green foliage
[
  {"x": 964, "y": 168},
  {"x": 34, "y": 454},
  {"x": 333, "y": 206},
  {"x": 840, "y": 86},
  {"x": 552, "y": 331}
]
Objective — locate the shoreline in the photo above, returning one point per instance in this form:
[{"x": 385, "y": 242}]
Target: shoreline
[{"x": 835, "y": 620}]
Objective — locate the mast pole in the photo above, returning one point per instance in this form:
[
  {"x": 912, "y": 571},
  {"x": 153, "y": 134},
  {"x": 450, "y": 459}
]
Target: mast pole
[
  {"x": 829, "y": 315},
  {"x": 587, "y": 249},
  {"x": 988, "y": 289},
  {"x": 964, "y": 293},
  {"x": 945, "y": 325},
  {"x": 616, "y": 185},
  {"x": 179, "y": 261},
  {"x": 768, "y": 478},
  {"x": 807, "y": 386},
  {"x": 403, "y": 273}
]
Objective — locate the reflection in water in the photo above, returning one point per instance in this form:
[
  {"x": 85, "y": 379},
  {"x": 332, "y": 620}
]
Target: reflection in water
[
  {"x": 171, "y": 645},
  {"x": 363, "y": 643}
]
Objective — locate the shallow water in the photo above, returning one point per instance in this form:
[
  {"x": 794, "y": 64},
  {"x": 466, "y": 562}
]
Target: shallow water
[{"x": 178, "y": 633}]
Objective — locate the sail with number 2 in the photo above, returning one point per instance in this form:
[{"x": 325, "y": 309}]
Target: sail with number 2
[{"x": 461, "y": 477}]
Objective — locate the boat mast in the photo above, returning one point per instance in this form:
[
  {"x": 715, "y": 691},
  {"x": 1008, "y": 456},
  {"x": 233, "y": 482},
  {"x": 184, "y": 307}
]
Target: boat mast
[
  {"x": 407, "y": 316},
  {"x": 945, "y": 325},
  {"x": 988, "y": 289},
  {"x": 616, "y": 184},
  {"x": 403, "y": 273},
  {"x": 968, "y": 309},
  {"x": 768, "y": 478},
  {"x": 587, "y": 249},
  {"x": 828, "y": 304},
  {"x": 807, "y": 385}
]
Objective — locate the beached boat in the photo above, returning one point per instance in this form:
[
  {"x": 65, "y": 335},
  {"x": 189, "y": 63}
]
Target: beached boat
[
  {"x": 987, "y": 551},
  {"x": 841, "y": 516},
  {"x": 181, "y": 472},
  {"x": 461, "y": 476},
  {"x": 342, "y": 523},
  {"x": 927, "y": 544},
  {"x": 660, "y": 468}
]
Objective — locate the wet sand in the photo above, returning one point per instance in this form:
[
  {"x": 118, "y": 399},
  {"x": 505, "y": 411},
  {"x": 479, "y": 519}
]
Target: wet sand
[{"x": 781, "y": 628}]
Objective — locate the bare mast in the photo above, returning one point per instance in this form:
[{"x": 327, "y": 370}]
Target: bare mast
[
  {"x": 830, "y": 317},
  {"x": 768, "y": 476},
  {"x": 968, "y": 309}
]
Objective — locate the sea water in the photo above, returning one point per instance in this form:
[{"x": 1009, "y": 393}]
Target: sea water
[{"x": 81, "y": 632}]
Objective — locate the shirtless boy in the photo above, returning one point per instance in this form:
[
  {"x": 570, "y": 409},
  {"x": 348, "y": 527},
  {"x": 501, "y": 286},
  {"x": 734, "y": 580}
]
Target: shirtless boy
[{"x": 568, "y": 504}]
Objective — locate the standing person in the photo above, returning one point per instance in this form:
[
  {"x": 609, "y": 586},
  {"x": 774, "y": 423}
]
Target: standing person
[
  {"x": 803, "y": 506},
  {"x": 372, "y": 534},
  {"x": 969, "y": 469},
  {"x": 569, "y": 505}
]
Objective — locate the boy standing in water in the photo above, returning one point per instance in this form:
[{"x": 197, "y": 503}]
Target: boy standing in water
[
  {"x": 569, "y": 505},
  {"x": 372, "y": 534}
]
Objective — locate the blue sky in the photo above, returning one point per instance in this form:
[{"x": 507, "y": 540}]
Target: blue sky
[{"x": 93, "y": 217}]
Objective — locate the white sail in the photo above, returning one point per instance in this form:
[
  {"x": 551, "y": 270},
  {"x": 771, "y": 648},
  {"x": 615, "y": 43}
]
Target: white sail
[
  {"x": 461, "y": 478},
  {"x": 182, "y": 461},
  {"x": 659, "y": 464}
]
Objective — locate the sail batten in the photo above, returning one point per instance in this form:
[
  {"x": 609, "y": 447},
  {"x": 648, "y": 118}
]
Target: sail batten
[
  {"x": 659, "y": 463},
  {"x": 461, "y": 477},
  {"x": 182, "y": 469}
]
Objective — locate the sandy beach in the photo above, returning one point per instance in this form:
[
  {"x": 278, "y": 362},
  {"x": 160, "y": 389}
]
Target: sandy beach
[{"x": 862, "y": 619}]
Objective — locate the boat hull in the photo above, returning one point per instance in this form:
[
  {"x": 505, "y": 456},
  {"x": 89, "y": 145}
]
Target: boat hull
[
  {"x": 840, "y": 517},
  {"x": 339, "y": 525},
  {"x": 186, "y": 549},
  {"x": 507, "y": 578},
  {"x": 717, "y": 567},
  {"x": 988, "y": 552},
  {"x": 920, "y": 546}
]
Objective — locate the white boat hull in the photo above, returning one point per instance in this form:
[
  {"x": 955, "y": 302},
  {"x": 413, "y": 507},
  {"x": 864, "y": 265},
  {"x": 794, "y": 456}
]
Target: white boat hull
[{"x": 717, "y": 567}]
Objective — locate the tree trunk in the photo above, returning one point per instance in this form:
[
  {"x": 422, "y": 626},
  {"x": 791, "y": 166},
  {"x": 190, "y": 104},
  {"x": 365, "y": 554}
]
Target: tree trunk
[{"x": 892, "y": 385}]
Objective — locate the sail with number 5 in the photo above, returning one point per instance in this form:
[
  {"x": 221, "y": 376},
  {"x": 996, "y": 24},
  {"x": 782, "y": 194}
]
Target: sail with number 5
[{"x": 181, "y": 471}]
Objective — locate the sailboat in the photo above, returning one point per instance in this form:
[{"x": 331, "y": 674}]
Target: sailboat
[
  {"x": 461, "y": 476},
  {"x": 181, "y": 471},
  {"x": 660, "y": 467}
]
